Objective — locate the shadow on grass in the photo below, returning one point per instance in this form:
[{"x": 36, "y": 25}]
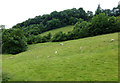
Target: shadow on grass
[{"x": 6, "y": 76}]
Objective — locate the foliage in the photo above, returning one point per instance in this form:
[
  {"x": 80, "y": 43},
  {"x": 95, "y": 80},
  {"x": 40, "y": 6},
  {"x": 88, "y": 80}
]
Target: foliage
[
  {"x": 54, "y": 23},
  {"x": 34, "y": 29},
  {"x": 2, "y": 26},
  {"x": 114, "y": 12},
  {"x": 81, "y": 30},
  {"x": 78, "y": 23},
  {"x": 32, "y": 39},
  {"x": 60, "y": 36},
  {"x": 118, "y": 23},
  {"x": 99, "y": 24},
  {"x": 38, "y": 39},
  {"x": 13, "y": 41},
  {"x": 46, "y": 22},
  {"x": 96, "y": 61},
  {"x": 99, "y": 10},
  {"x": 46, "y": 38},
  {"x": 40, "y": 24},
  {"x": 113, "y": 25},
  {"x": 85, "y": 25},
  {"x": 89, "y": 15},
  {"x": 70, "y": 35}
]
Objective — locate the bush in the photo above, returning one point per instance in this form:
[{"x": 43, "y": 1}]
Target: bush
[
  {"x": 70, "y": 35},
  {"x": 46, "y": 38},
  {"x": 60, "y": 36},
  {"x": 38, "y": 39},
  {"x": 99, "y": 24},
  {"x": 78, "y": 23},
  {"x": 102, "y": 24},
  {"x": 13, "y": 41},
  {"x": 31, "y": 39},
  {"x": 113, "y": 27},
  {"x": 81, "y": 29},
  {"x": 34, "y": 39}
]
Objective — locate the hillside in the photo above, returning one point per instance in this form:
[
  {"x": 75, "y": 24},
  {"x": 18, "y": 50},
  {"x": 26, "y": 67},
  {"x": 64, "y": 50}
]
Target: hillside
[
  {"x": 63, "y": 29},
  {"x": 87, "y": 59}
]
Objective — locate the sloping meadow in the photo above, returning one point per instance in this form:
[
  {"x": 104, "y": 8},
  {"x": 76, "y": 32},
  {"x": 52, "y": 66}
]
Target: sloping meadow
[{"x": 86, "y": 59}]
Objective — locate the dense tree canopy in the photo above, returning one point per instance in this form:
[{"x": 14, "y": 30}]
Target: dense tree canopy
[
  {"x": 104, "y": 21},
  {"x": 39, "y": 24}
]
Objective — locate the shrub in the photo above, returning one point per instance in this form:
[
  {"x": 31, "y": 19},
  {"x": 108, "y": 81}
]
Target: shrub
[
  {"x": 13, "y": 41},
  {"x": 34, "y": 39},
  {"x": 31, "y": 39},
  {"x": 99, "y": 24},
  {"x": 102, "y": 24},
  {"x": 38, "y": 39},
  {"x": 81, "y": 29},
  {"x": 60, "y": 36},
  {"x": 70, "y": 35},
  {"x": 47, "y": 37},
  {"x": 113, "y": 25}
]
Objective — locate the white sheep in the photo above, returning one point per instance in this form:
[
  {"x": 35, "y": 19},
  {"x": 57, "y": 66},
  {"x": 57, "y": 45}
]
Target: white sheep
[
  {"x": 56, "y": 52},
  {"x": 80, "y": 48},
  {"x": 48, "y": 56},
  {"x": 112, "y": 40},
  {"x": 37, "y": 57},
  {"x": 11, "y": 57},
  {"x": 61, "y": 44}
]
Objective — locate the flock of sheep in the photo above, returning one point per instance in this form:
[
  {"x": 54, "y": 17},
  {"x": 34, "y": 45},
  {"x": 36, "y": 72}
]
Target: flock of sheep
[
  {"x": 80, "y": 47},
  {"x": 62, "y": 45}
]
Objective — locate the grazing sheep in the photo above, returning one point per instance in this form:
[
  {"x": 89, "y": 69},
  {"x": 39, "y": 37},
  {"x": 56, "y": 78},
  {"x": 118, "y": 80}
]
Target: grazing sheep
[
  {"x": 56, "y": 52},
  {"x": 37, "y": 57},
  {"x": 48, "y": 56},
  {"x": 80, "y": 48},
  {"x": 61, "y": 44},
  {"x": 11, "y": 57},
  {"x": 112, "y": 40}
]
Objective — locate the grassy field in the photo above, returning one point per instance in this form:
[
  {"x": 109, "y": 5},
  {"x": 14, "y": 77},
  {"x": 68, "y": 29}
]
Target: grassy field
[
  {"x": 87, "y": 59},
  {"x": 63, "y": 29}
]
